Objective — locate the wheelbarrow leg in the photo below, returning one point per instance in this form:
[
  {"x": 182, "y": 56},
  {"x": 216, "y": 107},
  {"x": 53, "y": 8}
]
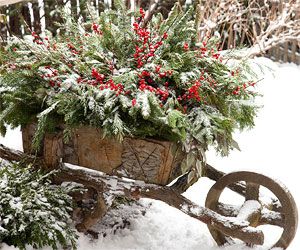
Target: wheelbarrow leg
[{"x": 93, "y": 213}]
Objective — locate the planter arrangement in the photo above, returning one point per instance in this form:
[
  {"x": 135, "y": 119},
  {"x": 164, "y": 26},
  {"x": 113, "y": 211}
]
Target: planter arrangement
[
  {"x": 129, "y": 79},
  {"x": 143, "y": 99}
]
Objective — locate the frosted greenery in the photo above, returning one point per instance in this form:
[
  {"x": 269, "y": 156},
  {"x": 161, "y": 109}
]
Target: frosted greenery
[
  {"x": 33, "y": 211},
  {"x": 129, "y": 79}
]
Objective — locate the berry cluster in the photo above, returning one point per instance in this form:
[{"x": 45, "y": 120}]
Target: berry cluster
[
  {"x": 146, "y": 46},
  {"x": 99, "y": 77},
  {"x": 52, "y": 77},
  {"x": 149, "y": 81},
  {"x": 238, "y": 90},
  {"x": 96, "y": 29},
  {"x": 157, "y": 80},
  {"x": 36, "y": 38},
  {"x": 193, "y": 91},
  {"x": 102, "y": 84}
]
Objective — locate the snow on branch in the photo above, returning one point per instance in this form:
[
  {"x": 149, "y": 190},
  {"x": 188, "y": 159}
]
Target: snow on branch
[
  {"x": 283, "y": 27},
  {"x": 261, "y": 25}
]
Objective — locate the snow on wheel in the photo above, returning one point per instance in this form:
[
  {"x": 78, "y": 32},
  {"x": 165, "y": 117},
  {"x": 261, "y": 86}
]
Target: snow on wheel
[{"x": 282, "y": 212}]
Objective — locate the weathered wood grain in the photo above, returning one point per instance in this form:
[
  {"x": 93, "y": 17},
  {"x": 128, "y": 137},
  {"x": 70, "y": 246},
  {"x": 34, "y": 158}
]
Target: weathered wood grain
[{"x": 149, "y": 160}]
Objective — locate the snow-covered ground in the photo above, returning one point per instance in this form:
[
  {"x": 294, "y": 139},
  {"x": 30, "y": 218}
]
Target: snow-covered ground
[{"x": 271, "y": 148}]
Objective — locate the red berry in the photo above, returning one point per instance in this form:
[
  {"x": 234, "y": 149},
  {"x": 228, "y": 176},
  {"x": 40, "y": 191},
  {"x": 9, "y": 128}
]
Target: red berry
[
  {"x": 133, "y": 102},
  {"x": 145, "y": 73},
  {"x": 52, "y": 83},
  {"x": 142, "y": 12},
  {"x": 162, "y": 75},
  {"x": 186, "y": 46}
]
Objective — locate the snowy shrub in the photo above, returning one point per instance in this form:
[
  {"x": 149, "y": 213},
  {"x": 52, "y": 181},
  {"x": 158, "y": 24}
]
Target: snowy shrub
[{"x": 33, "y": 211}]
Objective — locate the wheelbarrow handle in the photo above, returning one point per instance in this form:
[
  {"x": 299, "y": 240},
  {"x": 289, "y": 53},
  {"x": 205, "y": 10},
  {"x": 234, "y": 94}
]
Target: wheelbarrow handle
[
  {"x": 108, "y": 185},
  {"x": 214, "y": 174},
  {"x": 182, "y": 183},
  {"x": 229, "y": 226}
]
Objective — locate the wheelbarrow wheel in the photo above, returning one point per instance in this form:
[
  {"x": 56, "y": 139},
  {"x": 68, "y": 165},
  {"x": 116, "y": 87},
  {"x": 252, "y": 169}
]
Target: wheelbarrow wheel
[{"x": 281, "y": 212}]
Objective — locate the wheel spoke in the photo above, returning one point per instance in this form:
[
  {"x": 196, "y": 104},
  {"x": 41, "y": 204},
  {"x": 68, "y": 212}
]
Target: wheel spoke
[
  {"x": 252, "y": 191},
  {"x": 274, "y": 205},
  {"x": 269, "y": 217},
  {"x": 250, "y": 211}
]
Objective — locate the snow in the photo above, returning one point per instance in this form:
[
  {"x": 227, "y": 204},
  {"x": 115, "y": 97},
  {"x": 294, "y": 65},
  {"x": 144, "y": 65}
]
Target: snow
[
  {"x": 88, "y": 171},
  {"x": 16, "y": 204},
  {"x": 249, "y": 207},
  {"x": 271, "y": 148}
]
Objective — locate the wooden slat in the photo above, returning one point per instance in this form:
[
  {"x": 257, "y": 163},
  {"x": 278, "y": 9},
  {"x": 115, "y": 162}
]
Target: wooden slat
[
  {"x": 286, "y": 52},
  {"x": 26, "y": 17},
  {"x": 14, "y": 20},
  {"x": 36, "y": 17}
]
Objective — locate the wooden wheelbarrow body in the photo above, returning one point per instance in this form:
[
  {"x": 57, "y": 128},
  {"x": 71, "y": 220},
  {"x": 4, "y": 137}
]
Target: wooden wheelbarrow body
[{"x": 149, "y": 160}]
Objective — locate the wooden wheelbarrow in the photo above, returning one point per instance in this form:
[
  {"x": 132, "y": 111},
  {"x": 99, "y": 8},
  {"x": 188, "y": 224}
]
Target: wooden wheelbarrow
[{"x": 142, "y": 168}]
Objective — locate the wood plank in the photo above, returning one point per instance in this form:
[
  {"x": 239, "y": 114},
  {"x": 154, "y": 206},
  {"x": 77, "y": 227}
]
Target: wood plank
[
  {"x": 14, "y": 20},
  {"x": 286, "y": 52},
  {"x": 153, "y": 161}
]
